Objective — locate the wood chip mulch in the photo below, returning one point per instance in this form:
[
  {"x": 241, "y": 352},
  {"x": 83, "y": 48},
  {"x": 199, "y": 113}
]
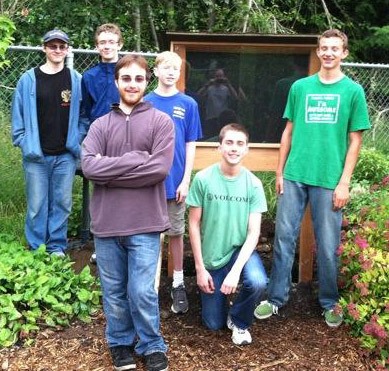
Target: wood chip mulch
[{"x": 297, "y": 340}]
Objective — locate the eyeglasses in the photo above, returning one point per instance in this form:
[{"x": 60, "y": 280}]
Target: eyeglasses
[
  {"x": 109, "y": 42},
  {"x": 61, "y": 47},
  {"x": 127, "y": 79}
]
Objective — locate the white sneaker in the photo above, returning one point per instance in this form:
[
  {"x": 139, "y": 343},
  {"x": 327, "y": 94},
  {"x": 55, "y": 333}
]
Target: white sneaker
[{"x": 239, "y": 336}]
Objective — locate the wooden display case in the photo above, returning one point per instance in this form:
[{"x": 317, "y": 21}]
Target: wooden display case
[{"x": 259, "y": 70}]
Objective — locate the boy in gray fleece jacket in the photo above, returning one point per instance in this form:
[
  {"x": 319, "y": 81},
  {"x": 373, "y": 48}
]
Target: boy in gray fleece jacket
[{"x": 127, "y": 155}]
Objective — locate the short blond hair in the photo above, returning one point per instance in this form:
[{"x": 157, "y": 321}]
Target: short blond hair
[
  {"x": 109, "y": 27},
  {"x": 168, "y": 56}
]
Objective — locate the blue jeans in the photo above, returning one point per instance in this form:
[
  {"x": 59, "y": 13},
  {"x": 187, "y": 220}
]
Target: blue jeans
[
  {"x": 327, "y": 225},
  {"x": 127, "y": 267},
  {"x": 49, "y": 186},
  {"x": 215, "y": 307}
]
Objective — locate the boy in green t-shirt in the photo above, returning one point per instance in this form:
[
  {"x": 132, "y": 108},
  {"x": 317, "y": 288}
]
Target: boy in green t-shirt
[
  {"x": 226, "y": 203},
  {"x": 326, "y": 115}
]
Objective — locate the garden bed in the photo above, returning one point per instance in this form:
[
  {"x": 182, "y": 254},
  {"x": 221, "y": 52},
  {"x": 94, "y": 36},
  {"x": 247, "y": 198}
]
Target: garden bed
[{"x": 297, "y": 340}]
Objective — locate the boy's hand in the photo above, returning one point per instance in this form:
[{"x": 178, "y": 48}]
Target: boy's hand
[
  {"x": 182, "y": 192},
  {"x": 341, "y": 196},
  {"x": 205, "y": 282},
  {"x": 230, "y": 283}
]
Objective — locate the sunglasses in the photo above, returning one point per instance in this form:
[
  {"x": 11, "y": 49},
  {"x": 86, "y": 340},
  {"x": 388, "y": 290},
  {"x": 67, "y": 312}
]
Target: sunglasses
[
  {"x": 127, "y": 79},
  {"x": 55, "y": 47}
]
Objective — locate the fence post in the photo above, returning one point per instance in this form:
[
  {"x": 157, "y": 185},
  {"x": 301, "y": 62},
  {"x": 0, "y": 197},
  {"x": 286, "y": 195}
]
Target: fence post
[{"x": 70, "y": 59}]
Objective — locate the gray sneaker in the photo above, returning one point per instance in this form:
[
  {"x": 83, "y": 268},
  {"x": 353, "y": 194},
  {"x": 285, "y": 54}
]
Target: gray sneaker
[
  {"x": 156, "y": 362},
  {"x": 180, "y": 301},
  {"x": 93, "y": 258},
  {"x": 122, "y": 358}
]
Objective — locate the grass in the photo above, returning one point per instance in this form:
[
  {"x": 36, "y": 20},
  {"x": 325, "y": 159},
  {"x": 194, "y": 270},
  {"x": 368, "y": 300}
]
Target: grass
[{"x": 12, "y": 196}]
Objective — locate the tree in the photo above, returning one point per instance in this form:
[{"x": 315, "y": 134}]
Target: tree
[
  {"x": 142, "y": 22},
  {"x": 7, "y": 28}
]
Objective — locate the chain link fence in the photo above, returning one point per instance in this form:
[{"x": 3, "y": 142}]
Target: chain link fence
[
  {"x": 373, "y": 77},
  {"x": 23, "y": 58},
  {"x": 375, "y": 80}
]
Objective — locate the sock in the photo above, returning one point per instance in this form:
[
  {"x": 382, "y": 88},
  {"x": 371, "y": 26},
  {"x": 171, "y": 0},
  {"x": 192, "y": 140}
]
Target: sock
[{"x": 178, "y": 278}]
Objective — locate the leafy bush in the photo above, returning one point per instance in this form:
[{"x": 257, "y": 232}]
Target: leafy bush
[
  {"x": 7, "y": 28},
  {"x": 268, "y": 179},
  {"x": 38, "y": 290},
  {"x": 364, "y": 270},
  {"x": 372, "y": 166},
  {"x": 75, "y": 217}
]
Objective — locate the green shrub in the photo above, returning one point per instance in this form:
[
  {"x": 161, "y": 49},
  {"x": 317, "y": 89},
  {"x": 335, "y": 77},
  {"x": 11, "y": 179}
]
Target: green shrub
[
  {"x": 7, "y": 28},
  {"x": 364, "y": 254},
  {"x": 372, "y": 166},
  {"x": 38, "y": 290},
  {"x": 75, "y": 218},
  {"x": 268, "y": 179}
]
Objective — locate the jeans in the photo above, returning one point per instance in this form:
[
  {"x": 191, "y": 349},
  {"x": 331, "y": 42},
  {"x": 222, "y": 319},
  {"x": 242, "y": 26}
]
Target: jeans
[
  {"x": 327, "y": 226},
  {"x": 215, "y": 307},
  {"x": 127, "y": 266},
  {"x": 49, "y": 186}
]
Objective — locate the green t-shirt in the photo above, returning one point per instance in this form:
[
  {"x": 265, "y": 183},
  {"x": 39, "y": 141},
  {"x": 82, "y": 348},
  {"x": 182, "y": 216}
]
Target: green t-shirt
[
  {"x": 322, "y": 117},
  {"x": 226, "y": 205}
]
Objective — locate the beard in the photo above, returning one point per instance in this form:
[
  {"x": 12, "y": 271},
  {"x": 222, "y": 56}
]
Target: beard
[{"x": 130, "y": 100}]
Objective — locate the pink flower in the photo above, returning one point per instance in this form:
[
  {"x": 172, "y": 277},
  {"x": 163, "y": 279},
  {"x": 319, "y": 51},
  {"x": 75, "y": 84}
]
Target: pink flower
[
  {"x": 364, "y": 291},
  {"x": 345, "y": 223},
  {"x": 341, "y": 283},
  {"x": 353, "y": 311},
  {"x": 374, "y": 187},
  {"x": 361, "y": 242},
  {"x": 338, "y": 309},
  {"x": 370, "y": 224},
  {"x": 367, "y": 264},
  {"x": 385, "y": 180},
  {"x": 340, "y": 250},
  {"x": 375, "y": 329}
]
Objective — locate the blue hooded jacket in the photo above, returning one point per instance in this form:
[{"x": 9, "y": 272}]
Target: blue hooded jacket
[
  {"x": 99, "y": 92},
  {"x": 25, "y": 130}
]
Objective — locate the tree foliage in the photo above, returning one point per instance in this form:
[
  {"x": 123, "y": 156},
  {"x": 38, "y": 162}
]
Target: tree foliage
[
  {"x": 7, "y": 28},
  {"x": 365, "y": 22}
]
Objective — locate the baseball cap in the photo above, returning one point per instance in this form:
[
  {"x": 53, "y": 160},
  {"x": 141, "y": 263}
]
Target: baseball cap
[{"x": 56, "y": 35}]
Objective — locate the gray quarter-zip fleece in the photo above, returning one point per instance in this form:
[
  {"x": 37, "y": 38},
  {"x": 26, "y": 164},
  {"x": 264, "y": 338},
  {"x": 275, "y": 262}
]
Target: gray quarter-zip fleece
[{"x": 127, "y": 157}]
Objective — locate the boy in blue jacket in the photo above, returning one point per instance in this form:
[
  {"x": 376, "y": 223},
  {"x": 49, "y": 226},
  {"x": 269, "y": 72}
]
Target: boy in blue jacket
[{"x": 45, "y": 125}]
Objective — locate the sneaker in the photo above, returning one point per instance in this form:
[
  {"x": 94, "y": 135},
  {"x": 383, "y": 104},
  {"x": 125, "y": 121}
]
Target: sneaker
[
  {"x": 265, "y": 310},
  {"x": 239, "y": 336},
  {"x": 156, "y": 361},
  {"x": 59, "y": 254},
  {"x": 333, "y": 318},
  {"x": 180, "y": 301},
  {"x": 122, "y": 358},
  {"x": 93, "y": 258}
]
